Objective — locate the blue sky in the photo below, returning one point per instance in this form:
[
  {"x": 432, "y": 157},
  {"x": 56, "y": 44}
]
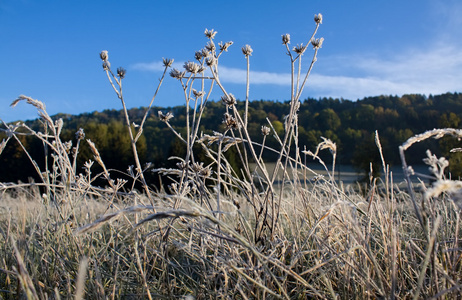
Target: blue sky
[{"x": 49, "y": 49}]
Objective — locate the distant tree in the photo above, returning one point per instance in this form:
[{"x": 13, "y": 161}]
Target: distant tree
[
  {"x": 366, "y": 154},
  {"x": 451, "y": 120},
  {"x": 328, "y": 119}
]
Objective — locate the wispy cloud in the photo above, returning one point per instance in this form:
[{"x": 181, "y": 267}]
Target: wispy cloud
[{"x": 227, "y": 74}]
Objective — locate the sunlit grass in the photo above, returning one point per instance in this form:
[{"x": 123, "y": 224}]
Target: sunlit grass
[{"x": 258, "y": 231}]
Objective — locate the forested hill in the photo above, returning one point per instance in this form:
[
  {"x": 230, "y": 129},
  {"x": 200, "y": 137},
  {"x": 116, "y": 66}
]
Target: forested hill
[{"x": 351, "y": 124}]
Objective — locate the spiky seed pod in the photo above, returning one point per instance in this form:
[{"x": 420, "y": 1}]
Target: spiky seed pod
[
  {"x": 230, "y": 122},
  {"x": 210, "y": 61},
  {"x": 104, "y": 55},
  {"x": 192, "y": 67},
  {"x": 210, "y": 46},
  {"x": 106, "y": 65},
  {"x": 164, "y": 117},
  {"x": 80, "y": 134},
  {"x": 247, "y": 50},
  {"x": 198, "y": 94},
  {"x": 121, "y": 72},
  {"x": 205, "y": 52},
  {"x": 299, "y": 49},
  {"x": 318, "y": 18},
  {"x": 265, "y": 130},
  {"x": 229, "y": 100},
  {"x": 286, "y": 39},
  {"x": 210, "y": 33},
  {"x": 175, "y": 73},
  {"x": 225, "y": 46},
  {"x": 198, "y": 55},
  {"x": 317, "y": 43},
  {"x": 167, "y": 62}
]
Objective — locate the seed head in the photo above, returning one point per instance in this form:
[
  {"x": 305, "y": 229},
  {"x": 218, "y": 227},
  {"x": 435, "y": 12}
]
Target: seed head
[
  {"x": 210, "y": 33},
  {"x": 121, "y": 72},
  {"x": 103, "y": 55},
  {"x": 192, "y": 67},
  {"x": 299, "y": 49},
  {"x": 225, "y": 46},
  {"x": 168, "y": 62},
  {"x": 230, "y": 122},
  {"x": 210, "y": 46},
  {"x": 196, "y": 167},
  {"x": 317, "y": 43},
  {"x": 106, "y": 65},
  {"x": 210, "y": 61},
  {"x": 164, "y": 118},
  {"x": 80, "y": 134},
  {"x": 229, "y": 100},
  {"x": 247, "y": 50},
  {"x": 181, "y": 165},
  {"x": 175, "y": 73},
  {"x": 318, "y": 18},
  {"x": 198, "y": 55},
  {"x": 205, "y": 52},
  {"x": 265, "y": 130},
  {"x": 198, "y": 94},
  {"x": 286, "y": 39}
]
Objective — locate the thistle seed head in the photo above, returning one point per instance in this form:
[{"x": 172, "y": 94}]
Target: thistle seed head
[
  {"x": 192, "y": 67},
  {"x": 106, "y": 65},
  {"x": 121, "y": 72},
  {"x": 225, "y": 46},
  {"x": 265, "y": 130},
  {"x": 210, "y": 33},
  {"x": 286, "y": 39},
  {"x": 198, "y": 55},
  {"x": 175, "y": 73},
  {"x": 210, "y": 46},
  {"x": 198, "y": 94},
  {"x": 210, "y": 61},
  {"x": 205, "y": 52},
  {"x": 247, "y": 50},
  {"x": 103, "y": 55},
  {"x": 167, "y": 62},
  {"x": 181, "y": 165},
  {"x": 230, "y": 122},
  {"x": 80, "y": 134},
  {"x": 200, "y": 170},
  {"x": 164, "y": 118},
  {"x": 317, "y": 43},
  {"x": 318, "y": 18},
  {"x": 299, "y": 49},
  {"x": 229, "y": 100}
]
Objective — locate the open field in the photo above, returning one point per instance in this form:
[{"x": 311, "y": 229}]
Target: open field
[
  {"x": 346, "y": 174},
  {"x": 217, "y": 230}
]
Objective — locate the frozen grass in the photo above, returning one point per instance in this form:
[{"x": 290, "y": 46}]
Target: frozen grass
[{"x": 219, "y": 232}]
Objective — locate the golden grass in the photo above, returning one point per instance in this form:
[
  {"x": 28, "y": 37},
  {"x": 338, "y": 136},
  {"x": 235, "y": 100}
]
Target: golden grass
[{"x": 265, "y": 231}]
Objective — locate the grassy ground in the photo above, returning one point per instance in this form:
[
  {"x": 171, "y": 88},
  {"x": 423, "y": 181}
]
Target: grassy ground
[
  {"x": 263, "y": 231},
  {"x": 329, "y": 243}
]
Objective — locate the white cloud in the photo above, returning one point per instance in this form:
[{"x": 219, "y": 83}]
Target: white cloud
[
  {"x": 234, "y": 75},
  {"x": 152, "y": 66}
]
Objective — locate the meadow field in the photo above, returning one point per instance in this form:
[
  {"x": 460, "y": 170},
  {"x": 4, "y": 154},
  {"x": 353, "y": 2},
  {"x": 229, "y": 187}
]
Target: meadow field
[{"x": 262, "y": 230}]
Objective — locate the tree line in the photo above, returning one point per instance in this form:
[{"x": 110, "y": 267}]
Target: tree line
[{"x": 350, "y": 124}]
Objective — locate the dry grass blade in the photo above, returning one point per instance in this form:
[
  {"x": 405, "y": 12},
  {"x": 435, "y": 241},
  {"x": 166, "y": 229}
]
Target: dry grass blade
[
  {"x": 435, "y": 133},
  {"x": 169, "y": 214},
  {"x": 23, "y": 275},
  {"x": 109, "y": 217}
]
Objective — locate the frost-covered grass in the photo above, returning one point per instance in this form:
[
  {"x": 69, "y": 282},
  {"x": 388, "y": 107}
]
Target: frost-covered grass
[{"x": 263, "y": 231}]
